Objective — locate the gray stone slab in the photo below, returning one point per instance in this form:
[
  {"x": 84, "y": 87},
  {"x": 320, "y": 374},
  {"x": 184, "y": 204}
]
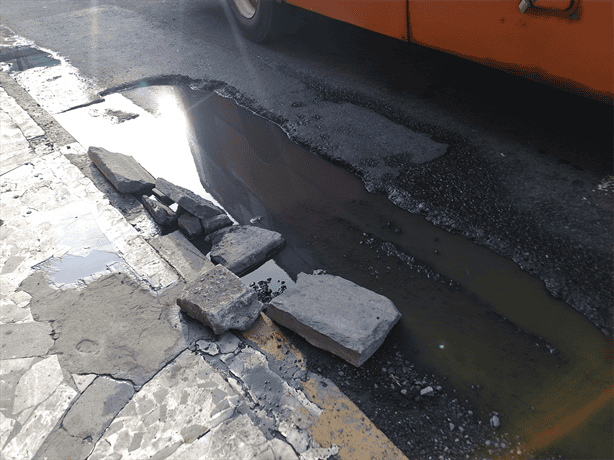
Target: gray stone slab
[
  {"x": 190, "y": 225},
  {"x": 123, "y": 171},
  {"x": 97, "y": 407},
  {"x": 23, "y": 340},
  {"x": 37, "y": 384},
  {"x": 181, "y": 254},
  {"x": 241, "y": 248},
  {"x": 215, "y": 223},
  {"x": 188, "y": 200},
  {"x": 161, "y": 213},
  {"x": 59, "y": 444},
  {"x": 162, "y": 198},
  {"x": 220, "y": 300},
  {"x": 336, "y": 315},
  {"x": 181, "y": 403},
  {"x": 39, "y": 424},
  {"x": 235, "y": 439}
]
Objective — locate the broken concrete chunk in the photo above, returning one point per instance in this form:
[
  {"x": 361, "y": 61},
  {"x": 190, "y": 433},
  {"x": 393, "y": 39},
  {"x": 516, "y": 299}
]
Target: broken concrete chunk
[
  {"x": 189, "y": 225},
  {"x": 220, "y": 300},
  {"x": 181, "y": 254},
  {"x": 228, "y": 343},
  {"x": 215, "y": 223},
  {"x": 188, "y": 200},
  {"x": 336, "y": 315},
  {"x": 161, "y": 213},
  {"x": 161, "y": 197},
  {"x": 241, "y": 248},
  {"x": 207, "y": 347},
  {"x": 123, "y": 171}
]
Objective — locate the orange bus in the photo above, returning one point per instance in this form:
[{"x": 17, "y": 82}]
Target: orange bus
[{"x": 566, "y": 43}]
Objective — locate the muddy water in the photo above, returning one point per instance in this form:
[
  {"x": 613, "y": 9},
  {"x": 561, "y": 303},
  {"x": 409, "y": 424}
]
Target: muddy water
[
  {"x": 469, "y": 315},
  {"x": 484, "y": 323},
  {"x": 26, "y": 57}
]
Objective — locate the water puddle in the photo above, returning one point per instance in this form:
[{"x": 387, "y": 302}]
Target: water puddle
[
  {"x": 26, "y": 57},
  {"x": 69, "y": 269},
  {"x": 468, "y": 314},
  {"x": 84, "y": 253}
]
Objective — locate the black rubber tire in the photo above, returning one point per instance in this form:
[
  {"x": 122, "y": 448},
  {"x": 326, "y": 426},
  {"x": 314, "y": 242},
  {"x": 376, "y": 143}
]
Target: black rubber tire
[{"x": 262, "y": 26}]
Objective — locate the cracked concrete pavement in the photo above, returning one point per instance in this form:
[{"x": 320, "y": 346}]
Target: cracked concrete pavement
[{"x": 97, "y": 360}]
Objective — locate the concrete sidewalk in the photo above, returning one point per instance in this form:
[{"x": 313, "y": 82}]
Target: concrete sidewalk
[{"x": 98, "y": 362}]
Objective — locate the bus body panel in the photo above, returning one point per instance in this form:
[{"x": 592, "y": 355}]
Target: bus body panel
[
  {"x": 572, "y": 49},
  {"x": 567, "y": 43},
  {"x": 387, "y": 17}
]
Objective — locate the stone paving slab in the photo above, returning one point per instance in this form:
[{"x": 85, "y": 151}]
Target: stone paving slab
[
  {"x": 161, "y": 213},
  {"x": 96, "y": 408},
  {"x": 38, "y": 204},
  {"x": 38, "y": 425},
  {"x": 190, "y": 225},
  {"x": 336, "y": 315},
  {"x": 241, "y": 248},
  {"x": 24, "y": 340},
  {"x": 180, "y": 404},
  {"x": 181, "y": 254},
  {"x": 188, "y": 200},
  {"x": 14, "y": 149},
  {"x": 123, "y": 171},
  {"x": 20, "y": 117}
]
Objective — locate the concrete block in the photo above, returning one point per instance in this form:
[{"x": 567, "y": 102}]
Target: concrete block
[
  {"x": 241, "y": 248},
  {"x": 220, "y": 300},
  {"x": 215, "y": 223},
  {"x": 161, "y": 213},
  {"x": 123, "y": 171},
  {"x": 188, "y": 200},
  {"x": 336, "y": 315},
  {"x": 181, "y": 254},
  {"x": 190, "y": 225}
]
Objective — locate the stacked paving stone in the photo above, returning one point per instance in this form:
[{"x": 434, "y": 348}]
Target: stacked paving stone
[
  {"x": 328, "y": 311},
  {"x": 215, "y": 294}
]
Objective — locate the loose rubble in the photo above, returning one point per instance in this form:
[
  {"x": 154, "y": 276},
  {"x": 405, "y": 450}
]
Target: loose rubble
[{"x": 61, "y": 410}]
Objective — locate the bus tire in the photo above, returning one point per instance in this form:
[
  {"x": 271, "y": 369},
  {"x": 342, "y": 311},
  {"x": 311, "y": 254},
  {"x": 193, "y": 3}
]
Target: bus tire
[{"x": 255, "y": 18}]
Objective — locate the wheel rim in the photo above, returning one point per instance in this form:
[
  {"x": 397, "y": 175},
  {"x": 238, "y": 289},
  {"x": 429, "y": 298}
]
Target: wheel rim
[{"x": 247, "y": 8}]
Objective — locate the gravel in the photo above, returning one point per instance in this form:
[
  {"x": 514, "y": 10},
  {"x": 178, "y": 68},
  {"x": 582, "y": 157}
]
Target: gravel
[{"x": 421, "y": 413}]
